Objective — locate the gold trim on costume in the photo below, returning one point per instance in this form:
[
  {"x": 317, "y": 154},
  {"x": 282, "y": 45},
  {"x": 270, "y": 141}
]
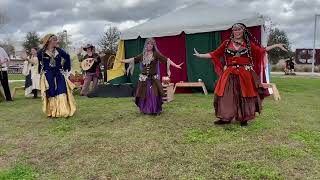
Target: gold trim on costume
[{"x": 62, "y": 105}]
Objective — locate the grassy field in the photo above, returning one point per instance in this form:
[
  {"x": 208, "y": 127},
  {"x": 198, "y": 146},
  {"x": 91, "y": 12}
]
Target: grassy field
[
  {"x": 110, "y": 139},
  {"x": 16, "y": 77}
]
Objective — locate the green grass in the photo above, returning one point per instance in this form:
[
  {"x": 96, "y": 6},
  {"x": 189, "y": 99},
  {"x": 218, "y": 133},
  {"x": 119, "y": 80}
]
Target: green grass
[
  {"x": 109, "y": 138},
  {"x": 24, "y": 172},
  {"x": 16, "y": 77}
]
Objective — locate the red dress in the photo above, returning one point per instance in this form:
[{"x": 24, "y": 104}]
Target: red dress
[{"x": 236, "y": 92}]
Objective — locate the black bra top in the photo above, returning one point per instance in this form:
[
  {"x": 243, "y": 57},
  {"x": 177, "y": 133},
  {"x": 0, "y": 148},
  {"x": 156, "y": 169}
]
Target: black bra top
[{"x": 232, "y": 52}]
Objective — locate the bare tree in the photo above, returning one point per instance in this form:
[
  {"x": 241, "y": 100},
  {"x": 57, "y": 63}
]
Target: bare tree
[{"x": 109, "y": 40}]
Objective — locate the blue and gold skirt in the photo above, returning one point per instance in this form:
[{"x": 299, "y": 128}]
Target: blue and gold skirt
[{"x": 57, "y": 97}]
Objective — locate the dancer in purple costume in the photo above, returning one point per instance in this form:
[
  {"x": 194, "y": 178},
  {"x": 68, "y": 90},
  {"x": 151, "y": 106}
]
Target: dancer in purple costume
[{"x": 149, "y": 91}]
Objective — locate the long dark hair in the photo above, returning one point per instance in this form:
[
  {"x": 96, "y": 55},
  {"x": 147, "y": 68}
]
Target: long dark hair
[
  {"x": 247, "y": 36},
  {"x": 35, "y": 48}
]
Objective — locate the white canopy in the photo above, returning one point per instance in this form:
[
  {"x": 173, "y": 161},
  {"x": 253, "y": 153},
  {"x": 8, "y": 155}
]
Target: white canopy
[{"x": 196, "y": 18}]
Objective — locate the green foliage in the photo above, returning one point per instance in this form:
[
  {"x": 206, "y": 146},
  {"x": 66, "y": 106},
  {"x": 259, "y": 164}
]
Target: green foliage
[
  {"x": 109, "y": 40},
  {"x": 32, "y": 40},
  {"x": 64, "y": 39},
  {"x": 278, "y": 36}
]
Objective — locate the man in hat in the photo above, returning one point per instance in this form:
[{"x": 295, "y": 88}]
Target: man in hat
[
  {"x": 92, "y": 74},
  {"x": 4, "y": 59}
]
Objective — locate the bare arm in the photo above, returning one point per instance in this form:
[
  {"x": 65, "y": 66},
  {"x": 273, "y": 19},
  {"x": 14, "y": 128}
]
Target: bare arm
[
  {"x": 205, "y": 56},
  {"x": 127, "y": 60},
  {"x": 174, "y": 64},
  {"x": 281, "y": 46}
]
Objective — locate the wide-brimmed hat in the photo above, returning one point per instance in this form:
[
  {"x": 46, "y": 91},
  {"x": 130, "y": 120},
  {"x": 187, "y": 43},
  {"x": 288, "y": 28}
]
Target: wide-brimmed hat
[{"x": 88, "y": 46}]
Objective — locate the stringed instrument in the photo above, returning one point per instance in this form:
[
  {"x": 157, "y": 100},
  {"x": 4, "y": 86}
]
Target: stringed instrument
[{"x": 87, "y": 63}]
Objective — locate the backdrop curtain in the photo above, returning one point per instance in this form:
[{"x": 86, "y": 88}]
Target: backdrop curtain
[
  {"x": 202, "y": 68},
  {"x": 174, "y": 47}
]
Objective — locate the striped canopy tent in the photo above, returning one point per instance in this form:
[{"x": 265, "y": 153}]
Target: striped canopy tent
[{"x": 202, "y": 26}]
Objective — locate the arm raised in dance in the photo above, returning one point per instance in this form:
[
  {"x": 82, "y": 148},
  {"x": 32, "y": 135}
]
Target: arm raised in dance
[
  {"x": 281, "y": 46},
  {"x": 127, "y": 60},
  {"x": 164, "y": 59},
  {"x": 214, "y": 56},
  {"x": 174, "y": 64},
  {"x": 205, "y": 56}
]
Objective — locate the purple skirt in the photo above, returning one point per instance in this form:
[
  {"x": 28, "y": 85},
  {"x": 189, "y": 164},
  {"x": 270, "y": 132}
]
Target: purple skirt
[{"x": 151, "y": 104}]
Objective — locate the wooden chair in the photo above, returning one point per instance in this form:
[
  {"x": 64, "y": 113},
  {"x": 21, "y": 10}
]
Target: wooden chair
[{"x": 192, "y": 84}]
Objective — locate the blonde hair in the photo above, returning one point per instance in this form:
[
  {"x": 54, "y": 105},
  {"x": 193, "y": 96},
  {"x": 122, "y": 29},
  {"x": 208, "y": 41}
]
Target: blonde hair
[
  {"x": 154, "y": 49},
  {"x": 46, "y": 39}
]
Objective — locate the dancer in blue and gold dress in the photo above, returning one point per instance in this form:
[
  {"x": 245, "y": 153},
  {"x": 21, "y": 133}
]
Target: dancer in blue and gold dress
[{"x": 56, "y": 88}]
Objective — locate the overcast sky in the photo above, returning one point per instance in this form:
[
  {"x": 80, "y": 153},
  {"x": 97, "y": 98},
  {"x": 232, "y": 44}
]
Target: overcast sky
[{"x": 86, "y": 20}]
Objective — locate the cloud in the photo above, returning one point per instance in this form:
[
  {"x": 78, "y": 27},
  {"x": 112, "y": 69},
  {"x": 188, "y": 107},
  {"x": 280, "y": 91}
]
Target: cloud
[{"x": 86, "y": 20}]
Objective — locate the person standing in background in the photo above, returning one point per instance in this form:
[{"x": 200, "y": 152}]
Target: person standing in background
[
  {"x": 4, "y": 61},
  {"x": 32, "y": 83}
]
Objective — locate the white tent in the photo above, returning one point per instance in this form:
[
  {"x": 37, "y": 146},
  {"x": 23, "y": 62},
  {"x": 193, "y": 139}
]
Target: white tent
[{"x": 196, "y": 18}]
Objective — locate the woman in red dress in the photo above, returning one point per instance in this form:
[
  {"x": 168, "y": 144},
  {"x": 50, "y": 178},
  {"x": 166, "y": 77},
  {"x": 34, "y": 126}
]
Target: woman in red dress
[{"x": 236, "y": 92}]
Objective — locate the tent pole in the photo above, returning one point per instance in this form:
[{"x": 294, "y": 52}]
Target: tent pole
[{"x": 314, "y": 42}]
